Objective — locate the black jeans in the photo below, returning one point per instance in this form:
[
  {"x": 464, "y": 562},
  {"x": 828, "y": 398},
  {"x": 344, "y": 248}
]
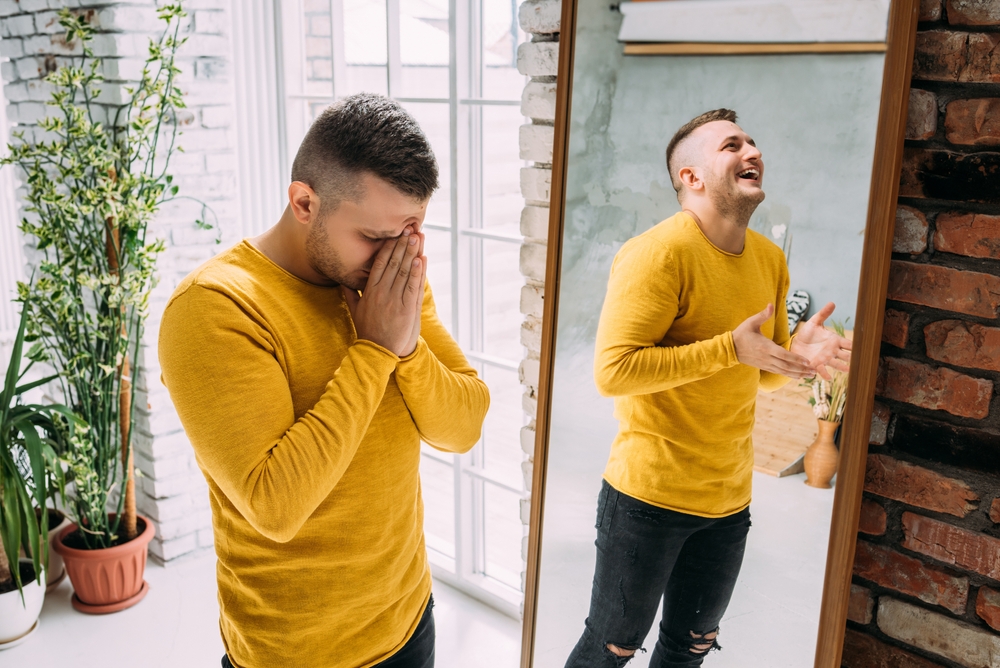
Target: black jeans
[
  {"x": 418, "y": 652},
  {"x": 645, "y": 552}
]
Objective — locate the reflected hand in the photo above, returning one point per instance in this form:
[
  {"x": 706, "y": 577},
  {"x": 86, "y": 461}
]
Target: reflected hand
[
  {"x": 756, "y": 350},
  {"x": 821, "y": 346}
]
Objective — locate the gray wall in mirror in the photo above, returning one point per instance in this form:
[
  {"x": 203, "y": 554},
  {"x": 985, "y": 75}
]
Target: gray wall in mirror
[{"x": 814, "y": 118}]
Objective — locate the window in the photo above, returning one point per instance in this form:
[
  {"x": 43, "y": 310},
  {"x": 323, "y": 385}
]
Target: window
[
  {"x": 11, "y": 261},
  {"x": 452, "y": 64}
]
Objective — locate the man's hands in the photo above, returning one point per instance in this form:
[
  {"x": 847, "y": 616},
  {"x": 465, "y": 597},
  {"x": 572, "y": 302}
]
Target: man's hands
[
  {"x": 756, "y": 350},
  {"x": 388, "y": 311},
  {"x": 822, "y": 347}
]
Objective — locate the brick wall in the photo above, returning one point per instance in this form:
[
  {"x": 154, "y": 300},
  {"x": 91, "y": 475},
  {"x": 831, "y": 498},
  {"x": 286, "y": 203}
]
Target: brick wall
[
  {"x": 927, "y": 570},
  {"x": 538, "y": 59},
  {"x": 171, "y": 490}
]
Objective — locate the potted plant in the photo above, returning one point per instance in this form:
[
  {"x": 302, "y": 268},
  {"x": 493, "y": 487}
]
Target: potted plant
[
  {"x": 31, "y": 438},
  {"x": 94, "y": 181},
  {"x": 828, "y": 399}
]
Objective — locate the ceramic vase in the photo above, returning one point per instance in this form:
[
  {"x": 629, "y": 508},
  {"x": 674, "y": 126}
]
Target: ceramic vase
[
  {"x": 19, "y": 616},
  {"x": 110, "y": 579},
  {"x": 821, "y": 458}
]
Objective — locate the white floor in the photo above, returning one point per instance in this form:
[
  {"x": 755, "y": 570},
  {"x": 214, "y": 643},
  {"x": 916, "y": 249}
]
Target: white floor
[{"x": 176, "y": 626}]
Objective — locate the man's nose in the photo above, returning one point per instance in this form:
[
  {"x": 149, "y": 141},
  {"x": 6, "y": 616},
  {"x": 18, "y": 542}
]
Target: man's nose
[{"x": 751, "y": 153}]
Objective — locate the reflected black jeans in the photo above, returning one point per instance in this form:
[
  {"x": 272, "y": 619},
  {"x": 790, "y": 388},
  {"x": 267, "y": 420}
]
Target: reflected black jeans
[
  {"x": 418, "y": 652},
  {"x": 645, "y": 552}
]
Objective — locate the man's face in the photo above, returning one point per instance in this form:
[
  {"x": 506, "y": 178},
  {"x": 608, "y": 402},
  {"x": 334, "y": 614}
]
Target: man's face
[
  {"x": 733, "y": 168},
  {"x": 341, "y": 245}
]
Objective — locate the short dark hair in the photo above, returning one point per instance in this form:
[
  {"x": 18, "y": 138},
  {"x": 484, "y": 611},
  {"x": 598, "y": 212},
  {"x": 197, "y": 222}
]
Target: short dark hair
[
  {"x": 365, "y": 133},
  {"x": 687, "y": 129}
]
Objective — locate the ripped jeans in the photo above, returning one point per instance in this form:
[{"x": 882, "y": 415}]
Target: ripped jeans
[{"x": 645, "y": 552}]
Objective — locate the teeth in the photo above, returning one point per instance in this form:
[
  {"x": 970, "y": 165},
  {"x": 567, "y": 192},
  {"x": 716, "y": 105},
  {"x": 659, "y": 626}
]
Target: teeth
[{"x": 747, "y": 172}]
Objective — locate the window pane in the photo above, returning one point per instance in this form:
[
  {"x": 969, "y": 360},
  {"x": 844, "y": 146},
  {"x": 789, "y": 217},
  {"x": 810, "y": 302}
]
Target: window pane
[
  {"x": 501, "y": 451},
  {"x": 501, "y": 35},
  {"x": 365, "y": 47},
  {"x": 437, "y": 248},
  {"x": 318, "y": 47},
  {"x": 424, "y": 48},
  {"x": 502, "y": 283},
  {"x": 435, "y": 121},
  {"x": 503, "y": 532},
  {"x": 502, "y": 201},
  {"x": 437, "y": 486}
]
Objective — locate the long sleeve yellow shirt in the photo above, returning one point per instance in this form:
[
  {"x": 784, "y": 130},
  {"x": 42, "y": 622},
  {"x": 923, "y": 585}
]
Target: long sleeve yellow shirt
[
  {"x": 310, "y": 442},
  {"x": 684, "y": 403}
]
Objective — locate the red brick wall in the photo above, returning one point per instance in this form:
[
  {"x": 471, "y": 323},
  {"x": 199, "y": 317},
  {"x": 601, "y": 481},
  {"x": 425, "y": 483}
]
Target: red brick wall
[{"x": 926, "y": 587}]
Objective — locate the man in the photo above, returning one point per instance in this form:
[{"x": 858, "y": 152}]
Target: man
[
  {"x": 306, "y": 366},
  {"x": 688, "y": 334}
]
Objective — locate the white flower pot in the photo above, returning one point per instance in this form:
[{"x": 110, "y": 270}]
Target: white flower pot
[{"x": 18, "y": 618}]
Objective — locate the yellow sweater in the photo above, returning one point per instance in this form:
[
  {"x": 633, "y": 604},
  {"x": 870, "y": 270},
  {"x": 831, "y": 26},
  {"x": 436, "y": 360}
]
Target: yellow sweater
[
  {"x": 310, "y": 442},
  {"x": 684, "y": 403}
]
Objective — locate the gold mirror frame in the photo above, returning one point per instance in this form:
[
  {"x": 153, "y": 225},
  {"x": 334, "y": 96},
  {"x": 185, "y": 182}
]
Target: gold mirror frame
[{"x": 875, "y": 259}]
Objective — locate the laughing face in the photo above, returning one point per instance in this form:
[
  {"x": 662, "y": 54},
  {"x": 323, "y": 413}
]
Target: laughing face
[{"x": 733, "y": 169}]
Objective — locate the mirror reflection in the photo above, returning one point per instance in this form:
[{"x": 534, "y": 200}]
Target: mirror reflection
[{"x": 714, "y": 221}]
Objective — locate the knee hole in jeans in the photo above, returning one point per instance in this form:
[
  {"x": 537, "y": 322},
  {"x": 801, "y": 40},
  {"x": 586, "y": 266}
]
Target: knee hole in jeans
[{"x": 702, "y": 643}]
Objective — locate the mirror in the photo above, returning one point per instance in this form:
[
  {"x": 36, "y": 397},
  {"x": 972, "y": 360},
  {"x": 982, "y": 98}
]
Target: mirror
[{"x": 665, "y": 467}]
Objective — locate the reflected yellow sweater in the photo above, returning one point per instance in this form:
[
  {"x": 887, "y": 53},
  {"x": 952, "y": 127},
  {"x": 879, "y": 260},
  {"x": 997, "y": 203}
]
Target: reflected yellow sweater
[
  {"x": 684, "y": 403},
  {"x": 310, "y": 442}
]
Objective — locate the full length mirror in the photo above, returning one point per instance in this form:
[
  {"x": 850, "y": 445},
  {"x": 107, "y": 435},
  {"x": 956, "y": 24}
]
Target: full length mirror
[{"x": 709, "y": 280}]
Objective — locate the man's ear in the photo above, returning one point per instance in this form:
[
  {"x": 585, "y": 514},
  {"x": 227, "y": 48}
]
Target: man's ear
[
  {"x": 691, "y": 179},
  {"x": 303, "y": 201}
]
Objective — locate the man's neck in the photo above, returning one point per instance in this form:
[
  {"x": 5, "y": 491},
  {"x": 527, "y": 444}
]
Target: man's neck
[
  {"x": 725, "y": 234},
  {"x": 285, "y": 245}
]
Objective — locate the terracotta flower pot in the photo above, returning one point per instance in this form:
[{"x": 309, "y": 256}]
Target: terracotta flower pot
[
  {"x": 822, "y": 456},
  {"x": 19, "y": 616},
  {"x": 107, "y": 580}
]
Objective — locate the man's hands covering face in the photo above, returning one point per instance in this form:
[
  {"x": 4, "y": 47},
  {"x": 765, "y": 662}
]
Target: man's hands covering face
[{"x": 388, "y": 311}]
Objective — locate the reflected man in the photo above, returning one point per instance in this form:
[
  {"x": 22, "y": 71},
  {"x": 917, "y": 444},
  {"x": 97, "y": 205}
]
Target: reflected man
[
  {"x": 306, "y": 366},
  {"x": 693, "y": 325}
]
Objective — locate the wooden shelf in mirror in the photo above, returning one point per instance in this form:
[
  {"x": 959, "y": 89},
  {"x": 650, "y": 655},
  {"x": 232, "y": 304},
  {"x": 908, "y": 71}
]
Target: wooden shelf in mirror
[{"x": 747, "y": 48}]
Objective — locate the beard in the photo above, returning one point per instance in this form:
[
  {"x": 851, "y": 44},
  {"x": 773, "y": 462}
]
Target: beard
[
  {"x": 325, "y": 260},
  {"x": 734, "y": 203}
]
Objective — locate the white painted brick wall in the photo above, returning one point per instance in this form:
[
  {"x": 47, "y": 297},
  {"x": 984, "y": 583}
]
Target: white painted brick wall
[
  {"x": 537, "y": 59},
  {"x": 171, "y": 490}
]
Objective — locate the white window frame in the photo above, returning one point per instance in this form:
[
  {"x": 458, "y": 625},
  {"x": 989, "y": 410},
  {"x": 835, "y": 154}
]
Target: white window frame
[
  {"x": 466, "y": 569},
  {"x": 11, "y": 257}
]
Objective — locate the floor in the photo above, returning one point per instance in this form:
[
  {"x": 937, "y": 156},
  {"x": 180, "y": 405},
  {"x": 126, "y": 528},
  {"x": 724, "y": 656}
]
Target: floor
[{"x": 176, "y": 625}]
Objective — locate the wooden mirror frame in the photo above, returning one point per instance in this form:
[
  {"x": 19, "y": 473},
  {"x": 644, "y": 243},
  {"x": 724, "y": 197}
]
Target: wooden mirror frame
[{"x": 875, "y": 259}]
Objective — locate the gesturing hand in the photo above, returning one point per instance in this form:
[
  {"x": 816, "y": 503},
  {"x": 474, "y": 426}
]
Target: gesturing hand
[
  {"x": 756, "y": 350},
  {"x": 385, "y": 311},
  {"x": 821, "y": 346}
]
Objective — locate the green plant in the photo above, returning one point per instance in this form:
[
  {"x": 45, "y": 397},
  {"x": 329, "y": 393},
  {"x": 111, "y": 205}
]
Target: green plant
[
  {"x": 94, "y": 181},
  {"x": 32, "y": 437}
]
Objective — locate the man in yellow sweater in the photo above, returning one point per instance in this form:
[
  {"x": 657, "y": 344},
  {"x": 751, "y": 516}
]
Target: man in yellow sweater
[
  {"x": 692, "y": 326},
  {"x": 306, "y": 366}
]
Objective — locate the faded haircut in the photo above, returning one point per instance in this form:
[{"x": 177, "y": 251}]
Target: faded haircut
[
  {"x": 685, "y": 132},
  {"x": 365, "y": 133}
]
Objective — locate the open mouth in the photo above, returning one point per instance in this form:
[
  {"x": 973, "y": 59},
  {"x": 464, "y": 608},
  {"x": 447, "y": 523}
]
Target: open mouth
[{"x": 752, "y": 174}]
